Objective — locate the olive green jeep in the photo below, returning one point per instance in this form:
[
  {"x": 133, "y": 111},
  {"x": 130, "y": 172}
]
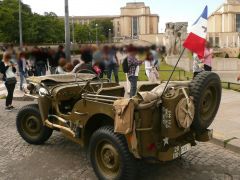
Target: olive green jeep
[{"x": 160, "y": 123}]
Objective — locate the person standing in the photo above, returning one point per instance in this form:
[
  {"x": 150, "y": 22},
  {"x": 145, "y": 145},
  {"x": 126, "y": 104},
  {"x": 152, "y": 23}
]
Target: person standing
[
  {"x": 51, "y": 60},
  {"x": 150, "y": 68},
  {"x": 155, "y": 55},
  {"x": 238, "y": 78},
  {"x": 8, "y": 70},
  {"x": 98, "y": 61},
  {"x": 133, "y": 69},
  {"x": 198, "y": 66},
  {"x": 59, "y": 55},
  {"x": 112, "y": 64},
  {"x": 22, "y": 68},
  {"x": 208, "y": 56},
  {"x": 41, "y": 61}
]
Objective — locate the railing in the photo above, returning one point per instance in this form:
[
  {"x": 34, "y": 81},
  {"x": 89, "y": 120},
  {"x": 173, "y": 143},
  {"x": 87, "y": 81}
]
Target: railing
[
  {"x": 179, "y": 72},
  {"x": 231, "y": 85}
]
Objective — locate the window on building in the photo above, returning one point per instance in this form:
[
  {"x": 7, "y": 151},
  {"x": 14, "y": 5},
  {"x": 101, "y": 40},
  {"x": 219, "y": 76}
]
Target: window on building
[
  {"x": 211, "y": 40},
  {"x": 217, "y": 41},
  {"x": 238, "y": 22},
  {"x": 134, "y": 26}
]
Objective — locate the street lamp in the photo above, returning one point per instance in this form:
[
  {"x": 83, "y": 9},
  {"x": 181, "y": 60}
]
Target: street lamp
[
  {"x": 96, "y": 34},
  {"x": 109, "y": 35},
  {"x": 20, "y": 25},
  {"x": 73, "y": 30},
  {"x": 67, "y": 32},
  {"x": 89, "y": 37}
]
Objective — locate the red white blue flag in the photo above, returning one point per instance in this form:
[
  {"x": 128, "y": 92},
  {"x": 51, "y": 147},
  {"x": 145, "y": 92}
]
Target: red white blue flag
[{"x": 196, "y": 40}]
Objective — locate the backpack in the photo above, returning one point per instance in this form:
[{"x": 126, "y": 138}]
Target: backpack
[{"x": 125, "y": 65}]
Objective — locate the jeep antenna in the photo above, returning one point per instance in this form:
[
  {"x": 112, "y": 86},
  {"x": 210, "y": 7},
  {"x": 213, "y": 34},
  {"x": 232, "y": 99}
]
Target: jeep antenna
[{"x": 174, "y": 69}]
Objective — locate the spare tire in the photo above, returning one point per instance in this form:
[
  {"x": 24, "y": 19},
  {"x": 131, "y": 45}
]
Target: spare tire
[{"x": 206, "y": 90}]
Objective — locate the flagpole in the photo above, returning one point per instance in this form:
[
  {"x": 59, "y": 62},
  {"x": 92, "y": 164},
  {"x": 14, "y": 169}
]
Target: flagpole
[{"x": 174, "y": 69}]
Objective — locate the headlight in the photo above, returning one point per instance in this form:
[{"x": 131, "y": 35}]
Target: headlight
[
  {"x": 30, "y": 87},
  {"x": 43, "y": 92}
]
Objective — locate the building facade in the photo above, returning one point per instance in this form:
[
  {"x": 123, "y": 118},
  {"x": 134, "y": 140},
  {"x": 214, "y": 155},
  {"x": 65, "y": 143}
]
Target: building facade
[
  {"x": 224, "y": 25},
  {"x": 135, "y": 19}
]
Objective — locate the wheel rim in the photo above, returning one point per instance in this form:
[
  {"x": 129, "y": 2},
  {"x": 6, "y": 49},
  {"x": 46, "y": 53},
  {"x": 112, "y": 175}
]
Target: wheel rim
[
  {"x": 208, "y": 102},
  {"x": 108, "y": 160},
  {"x": 31, "y": 125}
]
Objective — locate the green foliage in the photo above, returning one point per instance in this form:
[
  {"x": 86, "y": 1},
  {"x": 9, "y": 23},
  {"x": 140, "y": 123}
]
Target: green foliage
[
  {"x": 165, "y": 72},
  {"x": 44, "y": 29},
  {"x": 239, "y": 56},
  {"x": 36, "y": 28},
  {"x": 103, "y": 27}
]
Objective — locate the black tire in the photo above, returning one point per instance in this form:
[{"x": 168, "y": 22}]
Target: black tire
[
  {"x": 120, "y": 163},
  {"x": 30, "y": 125},
  {"x": 206, "y": 90}
]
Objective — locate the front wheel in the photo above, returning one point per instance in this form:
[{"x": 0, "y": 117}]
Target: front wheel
[
  {"x": 30, "y": 125},
  {"x": 110, "y": 156}
]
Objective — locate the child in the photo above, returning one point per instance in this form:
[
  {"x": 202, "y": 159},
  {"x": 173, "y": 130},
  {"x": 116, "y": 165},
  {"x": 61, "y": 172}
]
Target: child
[
  {"x": 150, "y": 68},
  {"x": 60, "y": 69}
]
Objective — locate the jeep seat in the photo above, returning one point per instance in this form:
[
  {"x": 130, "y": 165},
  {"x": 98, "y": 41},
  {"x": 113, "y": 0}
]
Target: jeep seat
[{"x": 118, "y": 91}]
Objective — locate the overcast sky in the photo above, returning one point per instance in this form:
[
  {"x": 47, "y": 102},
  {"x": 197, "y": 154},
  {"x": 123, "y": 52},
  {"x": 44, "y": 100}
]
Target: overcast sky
[{"x": 168, "y": 10}]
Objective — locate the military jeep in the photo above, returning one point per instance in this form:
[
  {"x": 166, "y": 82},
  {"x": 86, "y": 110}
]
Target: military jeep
[{"x": 161, "y": 123}]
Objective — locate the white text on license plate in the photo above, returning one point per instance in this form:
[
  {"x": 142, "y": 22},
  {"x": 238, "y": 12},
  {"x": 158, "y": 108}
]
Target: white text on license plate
[{"x": 185, "y": 148}]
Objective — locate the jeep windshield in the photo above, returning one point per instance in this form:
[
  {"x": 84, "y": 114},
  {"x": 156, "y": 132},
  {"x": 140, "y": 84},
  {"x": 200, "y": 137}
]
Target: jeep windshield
[{"x": 62, "y": 78}]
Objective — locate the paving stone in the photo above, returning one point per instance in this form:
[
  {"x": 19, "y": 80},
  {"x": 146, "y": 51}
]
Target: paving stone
[{"x": 62, "y": 159}]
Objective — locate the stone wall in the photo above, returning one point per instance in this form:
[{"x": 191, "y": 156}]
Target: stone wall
[
  {"x": 219, "y": 64},
  {"x": 185, "y": 63},
  {"x": 152, "y": 38}
]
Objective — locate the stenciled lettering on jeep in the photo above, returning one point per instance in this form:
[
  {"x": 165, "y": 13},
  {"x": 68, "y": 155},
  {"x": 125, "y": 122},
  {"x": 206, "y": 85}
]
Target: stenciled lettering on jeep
[{"x": 166, "y": 118}]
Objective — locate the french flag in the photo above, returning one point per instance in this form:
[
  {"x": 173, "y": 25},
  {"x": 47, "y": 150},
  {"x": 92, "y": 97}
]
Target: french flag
[{"x": 196, "y": 40}]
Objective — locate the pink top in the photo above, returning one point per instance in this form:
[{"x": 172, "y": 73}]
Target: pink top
[{"x": 208, "y": 55}]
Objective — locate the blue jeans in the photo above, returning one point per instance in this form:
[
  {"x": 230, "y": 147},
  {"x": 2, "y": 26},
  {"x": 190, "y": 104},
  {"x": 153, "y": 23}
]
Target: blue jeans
[
  {"x": 23, "y": 76},
  {"x": 133, "y": 82},
  {"x": 113, "y": 68},
  {"x": 41, "y": 70}
]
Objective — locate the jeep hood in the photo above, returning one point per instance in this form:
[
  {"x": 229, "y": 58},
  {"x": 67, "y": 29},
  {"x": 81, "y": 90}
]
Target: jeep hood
[{"x": 61, "y": 78}]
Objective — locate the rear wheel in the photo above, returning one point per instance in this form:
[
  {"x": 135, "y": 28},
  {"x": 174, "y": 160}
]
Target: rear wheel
[
  {"x": 110, "y": 156},
  {"x": 206, "y": 90},
  {"x": 30, "y": 125}
]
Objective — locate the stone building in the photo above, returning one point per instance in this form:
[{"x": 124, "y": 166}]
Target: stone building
[
  {"x": 135, "y": 19},
  {"x": 224, "y": 25},
  {"x": 87, "y": 19}
]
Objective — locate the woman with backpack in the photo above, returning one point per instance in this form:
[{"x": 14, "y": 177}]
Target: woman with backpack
[{"x": 8, "y": 70}]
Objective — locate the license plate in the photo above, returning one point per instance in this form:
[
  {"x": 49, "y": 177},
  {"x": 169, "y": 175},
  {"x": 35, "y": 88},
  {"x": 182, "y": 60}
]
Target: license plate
[{"x": 185, "y": 148}]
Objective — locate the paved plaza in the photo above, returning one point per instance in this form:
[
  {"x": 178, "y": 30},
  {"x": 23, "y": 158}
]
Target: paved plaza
[
  {"x": 61, "y": 159},
  {"x": 227, "y": 122}
]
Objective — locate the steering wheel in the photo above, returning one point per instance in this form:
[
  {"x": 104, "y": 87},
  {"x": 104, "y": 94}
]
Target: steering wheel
[{"x": 88, "y": 84}]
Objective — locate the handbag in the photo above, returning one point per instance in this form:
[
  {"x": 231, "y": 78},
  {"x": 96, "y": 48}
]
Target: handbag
[{"x": 12, "y": 80}]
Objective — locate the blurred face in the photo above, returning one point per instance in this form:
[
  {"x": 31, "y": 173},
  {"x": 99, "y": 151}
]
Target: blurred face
[
  {"x": 132, "y": 53},
  {"x": 151, "y": 57},
  {"x": 62, "y": 62},
  {"x": 7, "y": 58},
  {"x": 208, "y": 45}
]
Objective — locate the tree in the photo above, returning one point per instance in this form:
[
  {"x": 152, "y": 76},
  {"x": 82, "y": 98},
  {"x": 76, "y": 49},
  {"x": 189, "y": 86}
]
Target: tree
[
  {"x": 36, "y": 28},
  {"x": 9, "y": 31},
  {"x": 103, "y": 27},
  {"x": 44, "y": 29}
]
